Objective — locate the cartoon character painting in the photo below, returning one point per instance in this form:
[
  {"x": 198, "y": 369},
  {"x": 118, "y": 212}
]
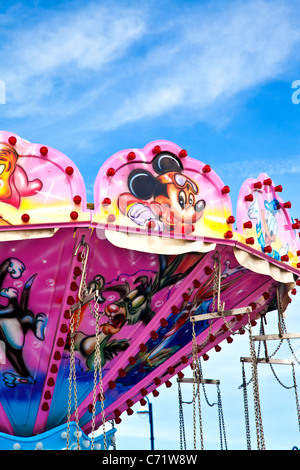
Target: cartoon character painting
[
  {"x": 199, "y": 301},
  {"x": 267, "y": 225},
  {"x": 15, "y": 320},
  {"x": 165, "y": 203},
  {"x": 133, "y": 306},
  {"x": 176, "y": 332},
  {"x": 14, "y": 182}
]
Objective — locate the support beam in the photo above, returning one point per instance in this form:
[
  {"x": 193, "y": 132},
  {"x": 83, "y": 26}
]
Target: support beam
[
  {"x": 276, "y": 336},
  {"x": 268, "y": 361},
  {"x": 201, "y": 381},
  {"x": 85, "y": 300},
  {"x": 226, "y": 313}
]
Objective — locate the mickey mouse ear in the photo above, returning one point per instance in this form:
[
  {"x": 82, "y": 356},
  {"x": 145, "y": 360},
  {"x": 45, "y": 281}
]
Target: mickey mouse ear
[
  {"x": 166, "y": 161},
  {"x": 141, "y": 184}
]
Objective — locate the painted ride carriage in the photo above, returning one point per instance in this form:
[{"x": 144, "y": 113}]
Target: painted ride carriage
[{"x": 100, "y": 301}]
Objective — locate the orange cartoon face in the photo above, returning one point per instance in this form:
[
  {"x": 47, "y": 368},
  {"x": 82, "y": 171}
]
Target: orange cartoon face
[
  {"x": 177, "y": 196},
  {"x": 14, "y": 181},
  {"x": 167, "y": 201},
  {"x": 8, "y": 159}
]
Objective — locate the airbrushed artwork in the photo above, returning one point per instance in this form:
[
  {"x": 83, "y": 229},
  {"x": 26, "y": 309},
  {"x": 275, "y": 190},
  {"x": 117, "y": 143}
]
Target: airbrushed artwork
[
  {"x": 166, "y": 202},
  {"x": 94, "y": 287}
]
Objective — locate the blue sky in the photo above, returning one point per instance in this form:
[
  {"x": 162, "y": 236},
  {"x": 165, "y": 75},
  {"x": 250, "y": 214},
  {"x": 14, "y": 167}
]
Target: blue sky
[{"x": 215, "y": 77}]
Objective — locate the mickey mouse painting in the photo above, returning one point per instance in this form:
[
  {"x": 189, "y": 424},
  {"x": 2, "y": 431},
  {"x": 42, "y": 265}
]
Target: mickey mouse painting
[{"x": 165, "y": 203}]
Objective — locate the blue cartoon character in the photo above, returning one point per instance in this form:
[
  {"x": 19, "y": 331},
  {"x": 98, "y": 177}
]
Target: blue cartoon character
[
  {"x": 267, "y": 225},
  {"x": 15, "y": 320}
]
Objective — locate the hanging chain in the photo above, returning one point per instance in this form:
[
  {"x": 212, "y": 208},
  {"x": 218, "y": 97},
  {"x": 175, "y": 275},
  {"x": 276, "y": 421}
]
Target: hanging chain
[
  {"x": 246, "y": 407},
  {"x": 216, "y": 281},
  {"x": 221, "y": 420},
  {"x": 97, "y": 376},
  {"x": 258, "y": 419},
  {"x": 217, "y": 290},
  {"x": 215, "y": 294},
  {"x": 72, "y": 369},
  {"x": 181, "y": 420},
  {"x": 220, "y": 408},
  {"x": 284, "y": 328},
  {"x": 296, "y": 396},
  {"x": 72, "y": 381},
  {"x": 196, "y": 389},
  {"x": 97, "y": 361},
  {"x": 97, "y": 358}
]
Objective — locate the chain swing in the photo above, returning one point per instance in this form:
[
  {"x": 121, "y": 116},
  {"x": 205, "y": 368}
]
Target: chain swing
[
  {"x": 73, "y": 384},
  {"x": 97, "y": 359},
  {"x": 220, "y": 409},
  {"x": 196, "y": 391},
  {"x": 268, "y": 360},
  {"x": 97, "y": 379},
  {"x": 257, "y": 409},
  {"x": 222, "y": 432},
  {"x": 197, "y": 371},
  {"x": 182, "y": 437},
  {"x": 72, "y": 367},
  {"x": 83, "y": 292}
]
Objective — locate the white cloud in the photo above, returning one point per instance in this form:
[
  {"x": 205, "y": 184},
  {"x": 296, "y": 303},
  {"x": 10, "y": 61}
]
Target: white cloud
[
  {"x": 122, "y": 65},
  {"x": 58, "y": 56},
  {"x": 210, "y": 56},
  {"x": 252, "y": 168}
]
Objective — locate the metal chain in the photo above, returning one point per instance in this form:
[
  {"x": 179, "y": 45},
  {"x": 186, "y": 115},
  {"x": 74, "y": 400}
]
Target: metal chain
[
  {"x": 72, "y": 369},
  {"x": 72, "y": 382},
  {"x": 97, "y": 363},
  {"x": 216, "y": 288},
  {"x": 203, "y": 386},
  {"x": 246, "y": 407},
  {"x": 296, "y": 396},
  {"x": 181, "y": 420},
  {"x": 220, "y": 408},
  {"x": 97, "y": 359},
  {"x": 98, "y": 376},
  {"x": 284, "y": 328},
  {"x": 196, "y": 389},
  {"x": 258, "y": 419},
  {"x": 215, "y": 282},
  {"x": 254, "y": 380},
  {"x": 221, "y": 420}
]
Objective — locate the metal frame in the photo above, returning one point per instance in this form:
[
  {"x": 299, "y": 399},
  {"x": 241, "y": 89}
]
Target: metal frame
[
  {"x": 268, "y": 361},
  {"x": 226, "y": 313},
  {"x": 199, "y": 381},
  {"x": 276, "y": 337}
]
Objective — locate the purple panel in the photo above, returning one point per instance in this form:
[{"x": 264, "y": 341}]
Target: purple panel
[{"x": 32, "y": 288}]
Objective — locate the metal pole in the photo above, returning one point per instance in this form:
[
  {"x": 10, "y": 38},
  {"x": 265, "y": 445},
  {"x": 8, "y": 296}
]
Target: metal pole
[{"x": 151, "y": 425}]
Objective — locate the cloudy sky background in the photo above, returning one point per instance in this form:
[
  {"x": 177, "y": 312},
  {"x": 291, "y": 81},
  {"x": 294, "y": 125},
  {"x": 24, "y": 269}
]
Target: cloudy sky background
[{"x": 215, "y": 77}]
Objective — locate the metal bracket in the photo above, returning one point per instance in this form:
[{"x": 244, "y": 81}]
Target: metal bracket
[
  {"x": 276, "y": 337},
  {"x": 226, "y": 313},
  {"x": 268, "y": 361},
  {"x": 201, "y": 381},
  {"x": 84, "y": 244},
  {"x": 84, "y": 301}
]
